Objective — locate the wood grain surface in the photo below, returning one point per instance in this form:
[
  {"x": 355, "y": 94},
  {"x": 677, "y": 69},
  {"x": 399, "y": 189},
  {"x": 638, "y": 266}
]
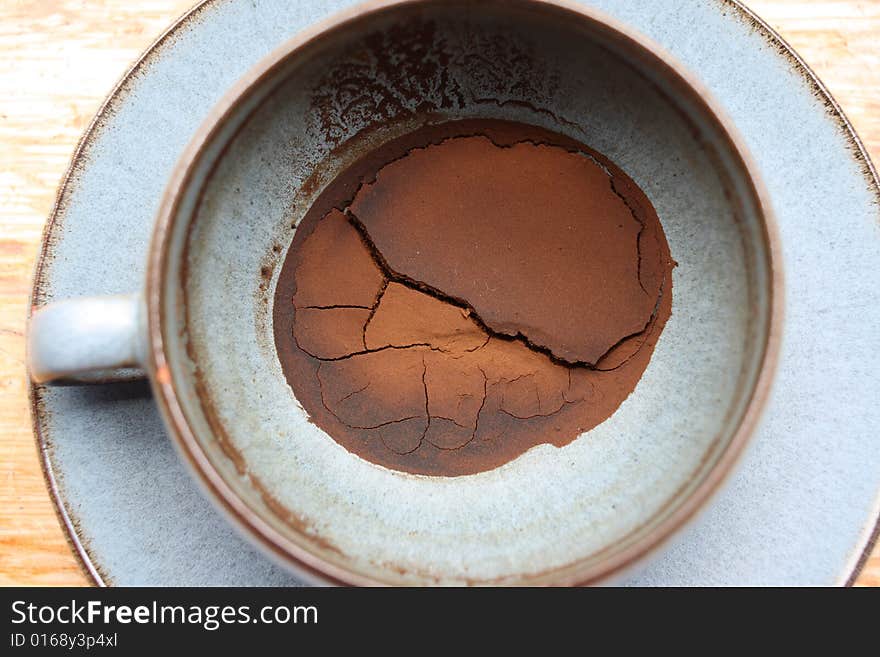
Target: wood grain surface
[{"x": 59, "y": 59}]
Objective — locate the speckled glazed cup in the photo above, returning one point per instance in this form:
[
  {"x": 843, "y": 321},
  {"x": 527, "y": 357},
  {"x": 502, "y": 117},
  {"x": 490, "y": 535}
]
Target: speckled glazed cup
[{"x": 202, "y": 327}]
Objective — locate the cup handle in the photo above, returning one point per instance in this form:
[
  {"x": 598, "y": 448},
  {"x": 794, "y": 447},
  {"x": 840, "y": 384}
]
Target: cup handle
[{"x": 87, "y": 340}]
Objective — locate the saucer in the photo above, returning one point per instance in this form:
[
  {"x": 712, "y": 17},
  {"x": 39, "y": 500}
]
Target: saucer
[{"x": 802, "y": 506}]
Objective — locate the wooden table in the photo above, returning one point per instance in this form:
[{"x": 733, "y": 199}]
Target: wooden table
[{"x": 59, "y": 58}]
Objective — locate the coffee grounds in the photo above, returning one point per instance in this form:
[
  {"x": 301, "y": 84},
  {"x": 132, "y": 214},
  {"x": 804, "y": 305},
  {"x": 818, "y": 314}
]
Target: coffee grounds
[{"x": 469, "y": 291}]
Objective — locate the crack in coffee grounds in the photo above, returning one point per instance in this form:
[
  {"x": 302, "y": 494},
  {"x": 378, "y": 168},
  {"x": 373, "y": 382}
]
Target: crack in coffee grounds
[{"x": 468, "y": 292}]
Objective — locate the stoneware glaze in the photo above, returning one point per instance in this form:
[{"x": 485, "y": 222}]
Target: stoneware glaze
[
  {"x": 555, "y": 515},
  {"x": 127, "y": 468}
]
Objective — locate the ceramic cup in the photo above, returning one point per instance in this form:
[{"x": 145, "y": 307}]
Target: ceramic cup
[{"x": 202, "y": 327}]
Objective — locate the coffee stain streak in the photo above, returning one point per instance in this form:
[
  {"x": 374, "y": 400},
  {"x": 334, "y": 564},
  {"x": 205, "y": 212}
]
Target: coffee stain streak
[{"x": 500, "y": 104}]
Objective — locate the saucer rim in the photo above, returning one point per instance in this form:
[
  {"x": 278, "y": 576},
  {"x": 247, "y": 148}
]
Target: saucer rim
[{"x": 79, "y": 547}]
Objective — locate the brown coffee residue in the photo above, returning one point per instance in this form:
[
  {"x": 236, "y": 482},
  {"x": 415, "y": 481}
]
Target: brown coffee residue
[{"x": 469, "y": 291}]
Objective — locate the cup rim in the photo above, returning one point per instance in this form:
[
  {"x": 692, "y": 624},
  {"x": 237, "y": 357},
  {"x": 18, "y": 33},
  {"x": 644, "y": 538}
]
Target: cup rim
[{"x": 303, "y": 560}]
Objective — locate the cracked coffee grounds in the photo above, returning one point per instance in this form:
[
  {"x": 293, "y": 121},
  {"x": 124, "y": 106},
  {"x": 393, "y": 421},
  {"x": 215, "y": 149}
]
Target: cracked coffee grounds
[{"x": 470, "y": 291}]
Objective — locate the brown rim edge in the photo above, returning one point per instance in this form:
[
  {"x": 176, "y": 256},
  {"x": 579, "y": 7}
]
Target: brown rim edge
[
  {"x": 300, "y": 557},
  {"x": 81, "y": 552},
  {"x": 67, "y": 523}
]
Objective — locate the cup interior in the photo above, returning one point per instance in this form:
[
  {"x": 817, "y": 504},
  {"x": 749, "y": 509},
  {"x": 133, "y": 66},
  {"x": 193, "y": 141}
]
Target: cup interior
[{"x": 553, "y": 515}]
